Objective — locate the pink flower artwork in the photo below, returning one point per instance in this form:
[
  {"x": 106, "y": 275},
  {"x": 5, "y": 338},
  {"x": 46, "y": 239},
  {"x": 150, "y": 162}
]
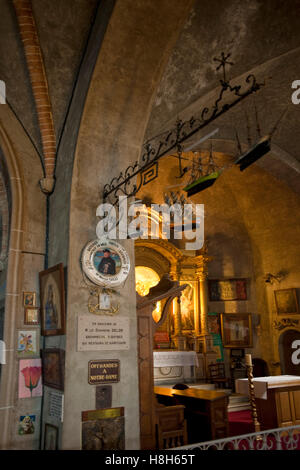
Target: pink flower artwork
[{"x": 30, "y": 378}]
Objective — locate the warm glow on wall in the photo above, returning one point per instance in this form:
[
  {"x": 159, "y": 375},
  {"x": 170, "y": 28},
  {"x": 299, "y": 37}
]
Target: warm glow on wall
[{"x": 145, "y": 278}]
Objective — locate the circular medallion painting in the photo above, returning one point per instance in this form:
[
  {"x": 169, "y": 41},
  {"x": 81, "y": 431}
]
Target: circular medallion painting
[{"x": 105, "y": 262}]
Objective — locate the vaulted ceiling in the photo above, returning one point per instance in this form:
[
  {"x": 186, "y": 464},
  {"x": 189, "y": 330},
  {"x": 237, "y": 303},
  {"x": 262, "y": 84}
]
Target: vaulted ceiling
[
  {"x": 262, "y": 36},
  {"x": 63, "y": 28}
]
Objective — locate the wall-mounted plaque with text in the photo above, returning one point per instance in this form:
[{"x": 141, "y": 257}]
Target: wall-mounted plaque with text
[
  {"x": 102, "y": 334},
  {"x": 104, "y": 371}
]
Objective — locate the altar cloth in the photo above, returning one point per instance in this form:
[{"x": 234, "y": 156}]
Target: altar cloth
[
  {"x": 262, "y": 384},
  {"x": 175, "y": 358}
]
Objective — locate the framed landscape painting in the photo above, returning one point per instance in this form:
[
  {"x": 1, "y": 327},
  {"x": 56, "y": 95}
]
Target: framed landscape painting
[
  {"x": 52, "y": 294},
  {"x": 236, "y": 330}
]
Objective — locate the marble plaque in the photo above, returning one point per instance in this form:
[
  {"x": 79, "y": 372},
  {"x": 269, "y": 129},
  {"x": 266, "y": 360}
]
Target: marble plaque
[{"x": 102, "y": 333}]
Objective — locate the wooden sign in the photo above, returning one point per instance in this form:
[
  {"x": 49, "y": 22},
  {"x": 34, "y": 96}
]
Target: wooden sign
[{"x": 104, "y": 371}]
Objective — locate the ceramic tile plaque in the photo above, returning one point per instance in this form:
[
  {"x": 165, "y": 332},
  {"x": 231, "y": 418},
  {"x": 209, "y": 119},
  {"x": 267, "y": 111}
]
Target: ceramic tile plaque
[{"x": 102, "y": 334}]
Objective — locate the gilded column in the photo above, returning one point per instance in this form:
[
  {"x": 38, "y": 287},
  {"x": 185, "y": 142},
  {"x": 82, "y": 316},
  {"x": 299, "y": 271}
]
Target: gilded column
[
  {"x": 197, "y": 316},
  {"x": 202, "y": 294},
  {"x": 203, "y": 297},
  {"x": 204, "y": 338},
  {"x": 179, "y": 338}
]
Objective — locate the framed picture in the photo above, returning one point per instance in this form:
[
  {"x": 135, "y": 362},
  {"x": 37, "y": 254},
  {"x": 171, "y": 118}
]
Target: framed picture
[
  {"x": 30, "y": 378},
  {"x": 27, "y": 424},
  {"x": 27, "y": 343},
  {"x": 213, "y": 323},
  {"x": 53, "y": 360},
  {"x": 227, "y": 289},
  {"x": 214, "y": 329},
  {"x": 236, "y": 330},
  {"x": 286, "y": 301},
  {"x": 187, "y": 308},
  {"x": 31, "y": 316},
  {"x": 29, "y": 299},
  {"x": 50, "y": 437},
  {"x": 108, "y": 425},
  {"x": 52, "y": 294}
]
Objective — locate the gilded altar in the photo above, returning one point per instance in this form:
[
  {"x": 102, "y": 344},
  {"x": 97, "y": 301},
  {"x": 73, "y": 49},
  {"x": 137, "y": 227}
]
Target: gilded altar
[{"x": 185, "y": 325}]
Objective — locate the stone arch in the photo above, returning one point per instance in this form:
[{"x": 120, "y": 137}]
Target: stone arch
[
  {"x": 25, "y": 247},
  {"x": 4, "y": 227},
  {"x": 159, "y": 255}
]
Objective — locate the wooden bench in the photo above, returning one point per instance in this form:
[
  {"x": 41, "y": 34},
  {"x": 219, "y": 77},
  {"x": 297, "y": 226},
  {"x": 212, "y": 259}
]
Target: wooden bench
[
  {"x": 171, "y": 430},
  {"x": 205, "y": 411}
]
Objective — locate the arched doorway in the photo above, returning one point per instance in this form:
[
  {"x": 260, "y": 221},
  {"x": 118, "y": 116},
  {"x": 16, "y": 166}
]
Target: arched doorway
[{"x": 288, "y": 347}]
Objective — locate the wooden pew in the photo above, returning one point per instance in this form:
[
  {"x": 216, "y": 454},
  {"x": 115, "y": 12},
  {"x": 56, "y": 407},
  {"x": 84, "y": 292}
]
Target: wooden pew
[
  {"x": 205, "y": 411},
  {"x": 171, "y": 430}
]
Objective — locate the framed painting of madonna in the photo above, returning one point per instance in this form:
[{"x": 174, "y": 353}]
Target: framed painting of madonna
[{"x": 52, "y": 295}]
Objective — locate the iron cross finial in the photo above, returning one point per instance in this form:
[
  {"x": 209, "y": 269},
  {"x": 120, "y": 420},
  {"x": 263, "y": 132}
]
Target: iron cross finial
[{"x": 223, "y": 61}]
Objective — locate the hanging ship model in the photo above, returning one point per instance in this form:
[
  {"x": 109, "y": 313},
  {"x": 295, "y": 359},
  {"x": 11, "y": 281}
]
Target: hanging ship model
[{"x": 200, "y": 181}]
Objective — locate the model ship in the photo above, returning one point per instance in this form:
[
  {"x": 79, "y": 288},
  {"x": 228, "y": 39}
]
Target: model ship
[
  {"x": 258, "y": 150},
  {"x": 200, "y": 181}
]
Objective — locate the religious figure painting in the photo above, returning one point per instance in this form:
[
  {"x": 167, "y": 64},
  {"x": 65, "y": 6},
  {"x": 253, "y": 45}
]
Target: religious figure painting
[
  {"x": 27, "y": 424},
  {"x": 103, "y": 429},
  {"x": 236, "y": 330},
  {"x": 29, "y": 299},
  {"x": 286, "y": 301},
  {"x": 31, "y": 316},
  {"x": 187, "y": 309},
  {"x": 27, "y": 343},
  {"x": 52, "y": 301},
  {"x": 53, "y": 368}
]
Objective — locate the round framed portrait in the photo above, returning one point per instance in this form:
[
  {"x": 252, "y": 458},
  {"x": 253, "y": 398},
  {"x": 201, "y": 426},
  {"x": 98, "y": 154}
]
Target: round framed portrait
[{"x": 105, "y": 262}]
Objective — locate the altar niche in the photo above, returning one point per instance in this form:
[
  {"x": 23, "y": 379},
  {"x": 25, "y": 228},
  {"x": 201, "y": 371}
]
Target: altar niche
[{"x": 185, "y": 327}]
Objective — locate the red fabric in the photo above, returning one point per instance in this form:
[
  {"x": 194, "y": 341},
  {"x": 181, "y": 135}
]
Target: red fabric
[{"x": 240, "y": 422}]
